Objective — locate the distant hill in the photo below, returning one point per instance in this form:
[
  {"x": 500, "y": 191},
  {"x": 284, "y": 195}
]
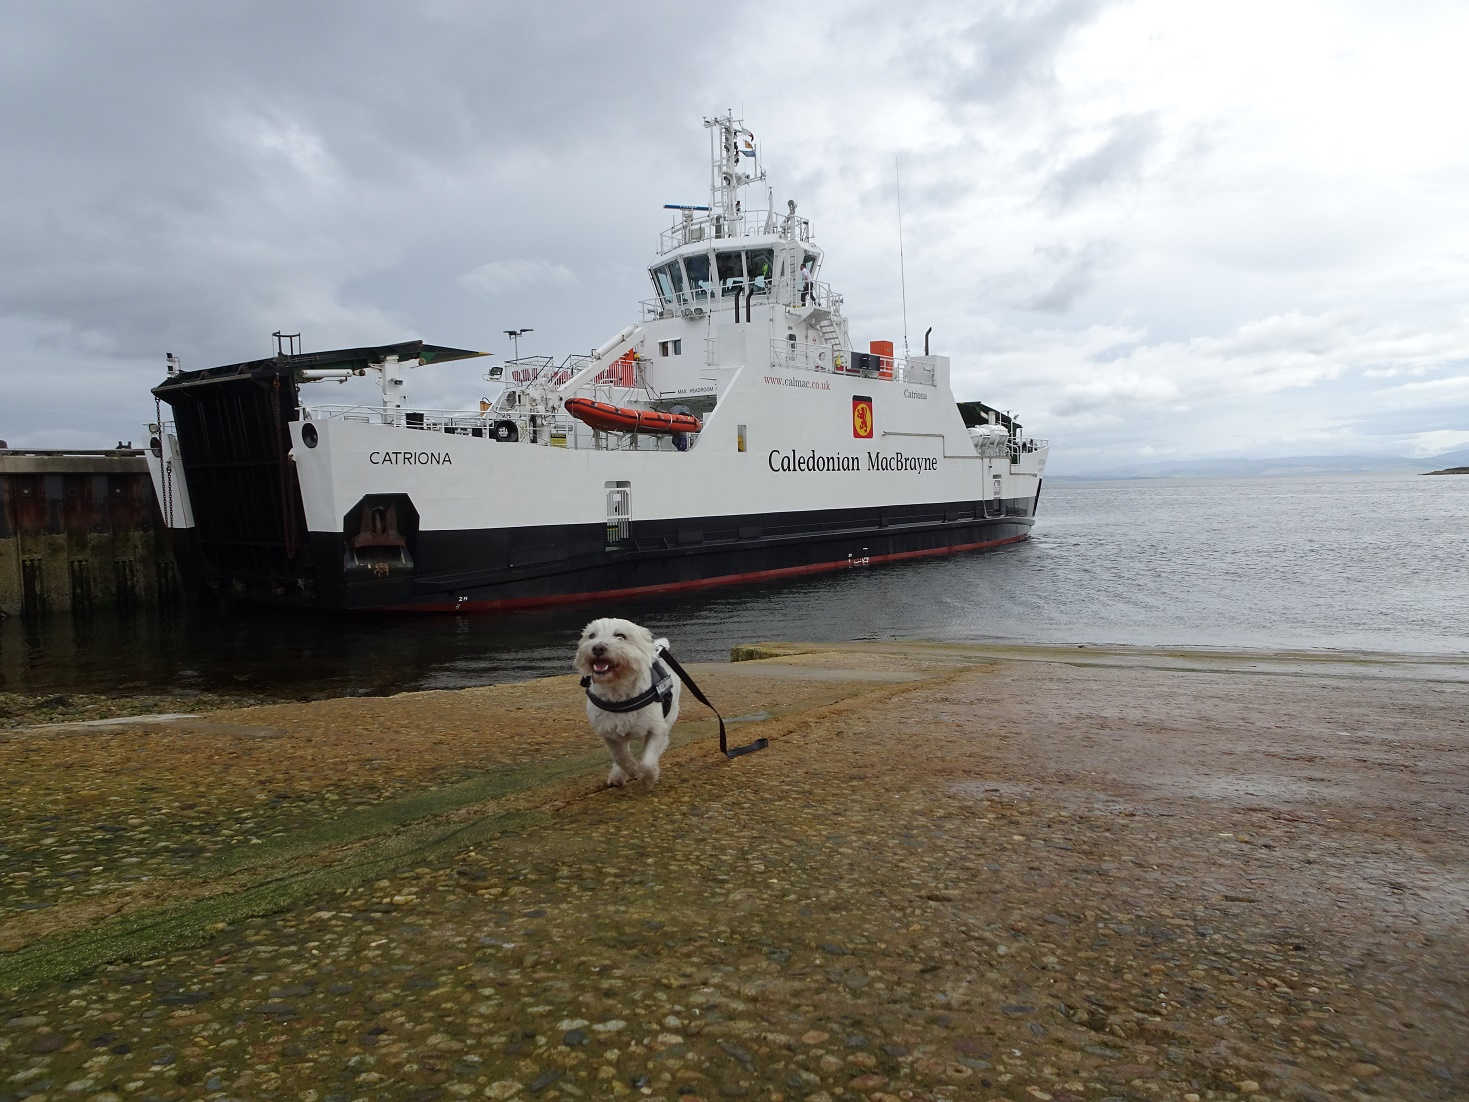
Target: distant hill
[{"x": 1276, "y": 466}]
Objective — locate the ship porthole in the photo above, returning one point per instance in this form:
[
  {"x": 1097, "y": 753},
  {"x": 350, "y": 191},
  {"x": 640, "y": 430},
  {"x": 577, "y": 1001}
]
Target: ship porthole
[{"x": 308, "y": 435}]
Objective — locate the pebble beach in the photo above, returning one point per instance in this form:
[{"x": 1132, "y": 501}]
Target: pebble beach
[{"x": 957, "y": 872}]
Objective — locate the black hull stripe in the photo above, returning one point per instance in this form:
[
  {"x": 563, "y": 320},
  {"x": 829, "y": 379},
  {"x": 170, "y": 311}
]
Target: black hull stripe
[
  {"x": 499, "y": 570},
  {"x": 513, "y": 604}
]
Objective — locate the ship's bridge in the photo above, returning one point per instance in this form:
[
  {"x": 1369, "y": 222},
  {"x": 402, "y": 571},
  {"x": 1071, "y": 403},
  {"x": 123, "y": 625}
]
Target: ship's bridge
[
  {"x": 725, "y": 249},
  {"x": 700, "y": 273}
]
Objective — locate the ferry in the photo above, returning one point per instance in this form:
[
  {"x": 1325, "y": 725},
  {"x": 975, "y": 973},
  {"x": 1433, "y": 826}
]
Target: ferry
[{"x": 734, "y": 432}]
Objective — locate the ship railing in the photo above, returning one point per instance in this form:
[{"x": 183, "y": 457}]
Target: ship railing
[
  {"x": 543, "y": 369},
  {"x": 689, "y": 304},
  {"x": 747, "y": 223},
  {"x": 820, "y": 357},
  {"x": 568, "y": 432},
  {"x": 363, "y": 414},
  {"x": 1018, "y": 449},
  {"x": 430, "y": 420},
  {"x": 694, "y": 304},
  {"x": 561, "y": 432},
  {"x": 819, "y": 294},
  {"x": 584, "y": 436},
  {"x": 802, "y": 355}
]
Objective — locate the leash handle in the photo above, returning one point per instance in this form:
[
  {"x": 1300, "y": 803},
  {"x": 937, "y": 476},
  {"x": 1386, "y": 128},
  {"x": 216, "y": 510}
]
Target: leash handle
[{"x": 750, "y": 748}]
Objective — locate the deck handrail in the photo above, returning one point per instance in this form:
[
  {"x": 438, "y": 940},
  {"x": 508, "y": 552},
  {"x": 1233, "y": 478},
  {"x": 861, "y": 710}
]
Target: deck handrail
[
  {"x": 549, "y": 431},
  {"x": 745, "y": 224},
  {"x": 816, "y": 356}
]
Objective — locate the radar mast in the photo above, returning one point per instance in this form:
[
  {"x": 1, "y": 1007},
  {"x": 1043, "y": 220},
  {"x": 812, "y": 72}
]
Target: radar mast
[{"x": 734, "y": 164}]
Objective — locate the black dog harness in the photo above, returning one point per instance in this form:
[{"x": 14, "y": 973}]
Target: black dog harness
[{"x": 661, "y": 691}]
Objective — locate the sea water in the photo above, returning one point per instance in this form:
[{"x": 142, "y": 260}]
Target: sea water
[{"x": 1378, "y": 563}]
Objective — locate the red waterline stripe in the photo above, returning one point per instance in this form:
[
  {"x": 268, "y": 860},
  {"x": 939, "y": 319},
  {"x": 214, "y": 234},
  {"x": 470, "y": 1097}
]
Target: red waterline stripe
[{"x": 519, "y": 603}]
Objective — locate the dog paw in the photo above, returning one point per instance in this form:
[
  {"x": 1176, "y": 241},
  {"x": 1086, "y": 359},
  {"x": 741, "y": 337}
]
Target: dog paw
[
  {"x": 649, "y": 774},
  {"x": 617, "y": 778}
]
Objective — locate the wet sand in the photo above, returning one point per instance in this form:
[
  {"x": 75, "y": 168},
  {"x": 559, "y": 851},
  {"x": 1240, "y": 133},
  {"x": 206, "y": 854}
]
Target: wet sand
[{"x": 958, "y": 872}]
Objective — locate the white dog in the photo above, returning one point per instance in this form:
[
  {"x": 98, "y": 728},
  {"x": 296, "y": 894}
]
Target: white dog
[{"x": 618, "y": 661}]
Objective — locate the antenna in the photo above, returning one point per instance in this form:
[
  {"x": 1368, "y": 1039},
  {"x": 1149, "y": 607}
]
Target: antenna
[{"x": 902, "y": 271}]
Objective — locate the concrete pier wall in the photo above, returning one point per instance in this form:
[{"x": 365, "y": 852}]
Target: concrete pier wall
[{"x": 80, "y": 530}]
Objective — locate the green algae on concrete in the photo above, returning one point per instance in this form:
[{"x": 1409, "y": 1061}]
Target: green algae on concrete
[{"x": 180, "y": 883}]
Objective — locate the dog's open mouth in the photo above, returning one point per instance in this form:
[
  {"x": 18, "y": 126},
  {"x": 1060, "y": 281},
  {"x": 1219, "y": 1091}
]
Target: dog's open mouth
[{"x": 601, "y": 666}]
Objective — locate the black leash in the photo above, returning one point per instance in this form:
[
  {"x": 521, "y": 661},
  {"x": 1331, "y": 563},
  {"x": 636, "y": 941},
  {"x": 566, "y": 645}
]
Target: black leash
[
  {"x": 758, "y": 744},
  {"x": 658, "y": 693}
]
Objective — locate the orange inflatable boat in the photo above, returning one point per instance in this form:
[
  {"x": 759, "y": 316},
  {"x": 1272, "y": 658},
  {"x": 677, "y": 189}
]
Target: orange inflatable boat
[{"x": 604, "y": 415}]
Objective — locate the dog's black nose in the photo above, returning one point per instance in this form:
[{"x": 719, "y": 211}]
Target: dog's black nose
[{"x": 599, "y": 650}]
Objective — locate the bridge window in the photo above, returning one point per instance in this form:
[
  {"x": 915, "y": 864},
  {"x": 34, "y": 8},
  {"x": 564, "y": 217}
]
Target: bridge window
[
  {"x": 697, "y": 268},
  {"x": 669, "y": 280},
  {"x": 760, "y": 264},
  {"x": 731, "y": 271}
]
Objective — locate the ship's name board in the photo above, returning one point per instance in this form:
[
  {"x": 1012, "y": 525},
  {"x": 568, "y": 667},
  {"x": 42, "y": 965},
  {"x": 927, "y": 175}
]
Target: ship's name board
[
  {"x": 410, "y": 459},
  {"x": 792, "y": 460}
]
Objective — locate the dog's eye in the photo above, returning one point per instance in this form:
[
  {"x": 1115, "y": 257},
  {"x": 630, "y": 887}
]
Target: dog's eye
[{"x": 619, "y": 635}]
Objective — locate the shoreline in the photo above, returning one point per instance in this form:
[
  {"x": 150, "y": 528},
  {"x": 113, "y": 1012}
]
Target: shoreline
[
  {"x": 19, "y": 710},
  {"x": 959, "y": 871}
]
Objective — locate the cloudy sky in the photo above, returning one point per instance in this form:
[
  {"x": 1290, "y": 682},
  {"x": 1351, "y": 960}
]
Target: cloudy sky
[{"x": 1156, "y": 230}]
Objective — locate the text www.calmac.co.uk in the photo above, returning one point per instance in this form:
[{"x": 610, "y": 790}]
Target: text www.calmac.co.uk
[{"x": 809, "y": 384}]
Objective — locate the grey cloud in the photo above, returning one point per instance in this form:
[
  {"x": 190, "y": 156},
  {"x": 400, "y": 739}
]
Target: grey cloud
[
  {"x": 1078, "y": 270},
  {"x": 1010, "y": 48},
  {"x": 1117, "y": 159},
  {"x": 190, "y": 176},
  {"x": 933, "y": 181}
]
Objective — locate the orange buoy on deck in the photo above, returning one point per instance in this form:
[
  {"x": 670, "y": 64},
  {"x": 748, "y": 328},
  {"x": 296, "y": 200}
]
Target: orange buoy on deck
[{"x": 604, "y": 415}]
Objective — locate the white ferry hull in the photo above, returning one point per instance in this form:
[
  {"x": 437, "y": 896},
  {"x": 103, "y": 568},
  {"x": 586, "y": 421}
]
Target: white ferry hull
[{"x": 514, "y": 525}]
